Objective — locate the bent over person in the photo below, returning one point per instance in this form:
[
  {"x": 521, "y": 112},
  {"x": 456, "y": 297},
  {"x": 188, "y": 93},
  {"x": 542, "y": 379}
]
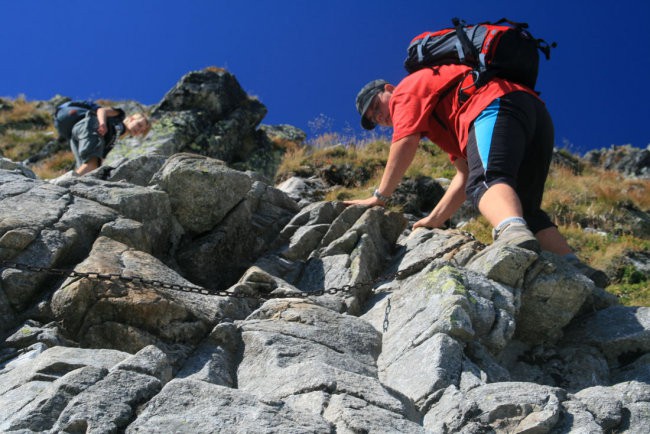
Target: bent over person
[
  {"x": 93, "y": 136},
  {"x": 498, "y": 136}
]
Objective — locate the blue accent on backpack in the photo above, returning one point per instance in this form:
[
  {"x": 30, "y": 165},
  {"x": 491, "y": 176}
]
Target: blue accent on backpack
[{"x": 69, "y": 113}]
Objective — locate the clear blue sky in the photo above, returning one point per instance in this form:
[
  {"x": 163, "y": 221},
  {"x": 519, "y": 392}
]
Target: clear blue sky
[{"x": 307, "y": 59}]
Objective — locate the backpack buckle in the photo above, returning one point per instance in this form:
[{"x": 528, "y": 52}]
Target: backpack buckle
[{"x": 464, "y": 92}]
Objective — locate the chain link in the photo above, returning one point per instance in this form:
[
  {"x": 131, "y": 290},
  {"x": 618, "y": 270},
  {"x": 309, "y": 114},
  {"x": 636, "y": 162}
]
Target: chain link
[
  {"x": 399, "y": 275},
  {"x": 388, "y": 309}
]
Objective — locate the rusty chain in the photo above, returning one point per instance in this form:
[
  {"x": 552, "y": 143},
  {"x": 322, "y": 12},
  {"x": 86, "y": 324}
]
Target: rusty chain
[
  {"x": 386, "y": 313},
  {"x": 68, "y": 272},
  {"x": 399, "y": 275}
]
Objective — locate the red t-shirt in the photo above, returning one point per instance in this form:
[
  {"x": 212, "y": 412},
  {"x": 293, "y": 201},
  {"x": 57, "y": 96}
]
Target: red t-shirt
[{"x": 416, "y": 106}]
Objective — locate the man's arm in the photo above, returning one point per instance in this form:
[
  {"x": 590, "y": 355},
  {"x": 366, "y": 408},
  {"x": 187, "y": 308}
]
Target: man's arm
[
  {"x": 450, "y": 201},
  {"x": 104, "y": 113},
  {"x": 399, "y": 159}
]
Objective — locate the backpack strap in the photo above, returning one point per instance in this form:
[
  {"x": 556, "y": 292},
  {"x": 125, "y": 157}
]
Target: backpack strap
[
  {"x": 420, "y": 46},
  {"x": 512, "y": 23},
  {"x": 464, "y": 47},
  {"x": 545, "y": 47},
  {"x": 454, "y": 84}
]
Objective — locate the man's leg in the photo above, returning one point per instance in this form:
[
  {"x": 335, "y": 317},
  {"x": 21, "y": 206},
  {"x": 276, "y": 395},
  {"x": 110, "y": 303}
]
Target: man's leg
[
  {"x": 495, "y": 148},
  {"x": 88, "y": 166},
  {"x": 552, "y": 241},
  {"x": 498, "y": 203},
  {"x": 90, "y": 144}
]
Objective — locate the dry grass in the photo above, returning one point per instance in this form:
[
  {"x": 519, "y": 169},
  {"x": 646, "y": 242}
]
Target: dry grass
[
  {"x": 215, "y": 69},
  {"x": 480, "y": 228},
  {"x": 595, "y": 198},
  {"x": 356, "y": 163},
  {"x": 24, "y": 115},
  {"x": 19, "y": 145},
  {"x": 598, "y": 198},
  {"x": 285, "y": 145},
  {"x": 430, "y": 161},
  {"x": 24, "y": 129},
  {"x": 21, "y": 110},
  {"x": 54, "y": 166}
]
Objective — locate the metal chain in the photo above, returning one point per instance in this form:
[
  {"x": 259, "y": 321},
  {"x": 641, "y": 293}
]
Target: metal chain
[
  {"x": 399, "y": 275},
  {"x": 386, "y": 312}
]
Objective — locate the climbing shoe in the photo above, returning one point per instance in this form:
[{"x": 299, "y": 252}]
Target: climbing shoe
[{"x": 516, "y": 234}]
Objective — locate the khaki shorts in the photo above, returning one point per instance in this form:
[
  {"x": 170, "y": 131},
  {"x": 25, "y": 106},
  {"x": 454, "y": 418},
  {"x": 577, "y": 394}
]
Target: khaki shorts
[{"x": 86, "y": 142}]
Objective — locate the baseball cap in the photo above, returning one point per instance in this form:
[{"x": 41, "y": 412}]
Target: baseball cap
[{"x": 364, "y": 98}]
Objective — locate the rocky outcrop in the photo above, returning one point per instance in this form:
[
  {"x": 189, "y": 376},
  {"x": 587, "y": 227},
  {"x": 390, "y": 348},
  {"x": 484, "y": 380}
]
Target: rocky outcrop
[
  {"x": 174, "y": 290},
  {"x": 628, "y": 160},
  {"x": 198, "y": 298},
  {"x": 208, "y": 113}
]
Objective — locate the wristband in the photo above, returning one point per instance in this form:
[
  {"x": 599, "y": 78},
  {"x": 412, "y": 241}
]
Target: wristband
[{"x": 380, "y": 196}]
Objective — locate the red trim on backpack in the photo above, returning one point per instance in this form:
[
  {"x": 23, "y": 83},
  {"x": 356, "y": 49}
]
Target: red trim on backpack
[
  {"x": 431, "y": 34},
  {"x": 492, "y": 38}
]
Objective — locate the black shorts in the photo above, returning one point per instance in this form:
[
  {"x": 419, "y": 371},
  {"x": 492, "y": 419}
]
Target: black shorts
[{"x": 511, "y": 142}]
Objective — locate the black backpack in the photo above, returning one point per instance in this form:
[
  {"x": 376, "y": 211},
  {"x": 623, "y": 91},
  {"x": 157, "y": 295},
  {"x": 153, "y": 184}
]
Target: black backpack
[
  {"x": 504, "y": 49},
  {"x": 69, "y": 113}
]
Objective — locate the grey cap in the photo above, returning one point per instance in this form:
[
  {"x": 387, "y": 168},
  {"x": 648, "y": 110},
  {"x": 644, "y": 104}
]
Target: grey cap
[{"x": 364, "y": 98}]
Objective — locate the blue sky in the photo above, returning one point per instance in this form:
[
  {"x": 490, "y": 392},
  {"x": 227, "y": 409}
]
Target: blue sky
[{"x": 307, "y": 59}]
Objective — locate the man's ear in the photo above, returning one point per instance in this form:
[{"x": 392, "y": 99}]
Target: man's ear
[{"x": 389, "y": 88}]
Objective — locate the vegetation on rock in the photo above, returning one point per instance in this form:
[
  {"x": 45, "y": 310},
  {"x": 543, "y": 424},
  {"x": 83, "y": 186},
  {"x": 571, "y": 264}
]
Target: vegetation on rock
[{"x": 604, "y": 215}]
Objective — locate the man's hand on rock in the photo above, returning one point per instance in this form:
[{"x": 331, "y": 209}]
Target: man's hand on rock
[{"x": 371, "y": 201}]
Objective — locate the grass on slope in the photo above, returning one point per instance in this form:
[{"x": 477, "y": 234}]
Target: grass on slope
[{"x": 603, "y": 215}]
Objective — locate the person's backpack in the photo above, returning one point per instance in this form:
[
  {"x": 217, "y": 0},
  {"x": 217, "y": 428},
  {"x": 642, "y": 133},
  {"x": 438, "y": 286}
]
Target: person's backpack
[
  {"x": 503, "y": 49},
  {"x": 69, "y": 113}
]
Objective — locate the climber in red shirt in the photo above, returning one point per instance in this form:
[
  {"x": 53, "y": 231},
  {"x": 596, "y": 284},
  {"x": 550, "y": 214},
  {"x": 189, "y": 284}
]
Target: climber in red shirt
[{"x": 498, "y": 136}]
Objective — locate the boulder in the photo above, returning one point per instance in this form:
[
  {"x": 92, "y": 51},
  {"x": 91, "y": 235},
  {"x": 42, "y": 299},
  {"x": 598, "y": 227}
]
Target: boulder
[
  {"x": 207, "y": 113},
  {"x": 129, "y": 316},
  {"x": 187, "y": 405},
  {"x": 227, "y": 217},
  {"x": 498, "y": 407},
  {"x": 622, "y": 333},
  {"x": 628, "y": 160},
  {"x": 41, "y": 225}
]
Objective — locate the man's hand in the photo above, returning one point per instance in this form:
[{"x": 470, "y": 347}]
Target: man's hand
[
  {"x": 371, "y": 201},
  {"x": 429, "y": 222},
  {"x": 102, "y": 129}
]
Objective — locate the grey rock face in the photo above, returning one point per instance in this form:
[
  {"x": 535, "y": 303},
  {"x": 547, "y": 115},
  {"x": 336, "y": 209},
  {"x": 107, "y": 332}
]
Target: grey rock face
[
  {"x": 41, "y": 225},
  {"x": 351, "y": 251},
  {"x": 36, "y": 390},
  {"x": 502, "y": 407},
  {"x": 618, "y": 331},
  {"x": 207, "y": 113},
  {"x": 185, "y": 176},
  {"x": 630, "y": 161},
  {"x": 305, "y": 191},
  {"x": 552, "y": 297},
  {"x": 7, "y": 164},
  {"x": 329, "y": 318},
  {"x": 199, "y": 407},
  {"x": 109, "y": 314},
  {"x": 293, "y": 348},
  {"x": 228, "y": 218},
  {"x": 145, "y": 205},
  {"x": 138, "y": 170}
]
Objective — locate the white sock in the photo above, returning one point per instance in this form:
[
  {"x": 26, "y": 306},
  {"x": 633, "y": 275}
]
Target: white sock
[{"x": 509, "y": 220}]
